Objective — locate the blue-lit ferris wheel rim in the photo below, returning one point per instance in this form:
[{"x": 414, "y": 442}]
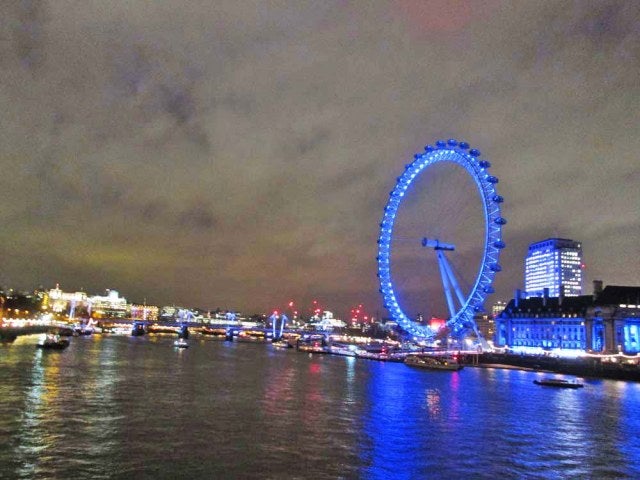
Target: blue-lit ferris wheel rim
[{"x": 461, "y": 154}]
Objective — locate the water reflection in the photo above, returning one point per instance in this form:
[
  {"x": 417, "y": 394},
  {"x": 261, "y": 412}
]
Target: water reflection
[
  {"x": 350, "y": 377},
  {"x": 391, "y": 421},
  {"x": 433, "y": 403},
  {"x": 31, "y": 436},
  {"x": 134, "y": 408}
]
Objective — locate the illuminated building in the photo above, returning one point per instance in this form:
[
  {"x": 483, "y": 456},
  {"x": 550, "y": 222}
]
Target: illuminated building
[
  {"x": 111, "y": 305},
  {"x": 497, "y": 308},
  {"x": 143, "y": 312},
  {"x": 554, "y": 264},
  {"x": 59, "y": 301},
  {"x": 613, "y": 322},
  {"x": 607, "y": 321},
  {"x": 485, "y": 324},
  {"x": 327, "y": 322}
]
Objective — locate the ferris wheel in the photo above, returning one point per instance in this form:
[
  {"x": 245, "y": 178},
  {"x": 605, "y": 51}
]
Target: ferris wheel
[{"x": 462, "y": 304}]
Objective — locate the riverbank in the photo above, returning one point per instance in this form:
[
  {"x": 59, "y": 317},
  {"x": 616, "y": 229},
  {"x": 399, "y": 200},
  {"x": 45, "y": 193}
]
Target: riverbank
[{"x": 582, "y": 367}]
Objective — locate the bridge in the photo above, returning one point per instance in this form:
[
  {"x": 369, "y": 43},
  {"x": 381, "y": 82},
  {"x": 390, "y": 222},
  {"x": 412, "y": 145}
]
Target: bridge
[{"x": 11, "y": 330}]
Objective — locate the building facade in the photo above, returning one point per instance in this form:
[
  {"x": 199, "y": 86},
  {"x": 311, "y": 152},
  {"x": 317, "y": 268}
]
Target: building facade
[
  {"x": 111, "y": 305},
  {"x": 606, "y": 322},
  {"x": 613, "y": 321},
  {"x": 485, "y": 324},
  {"x": 143, "y": 312},
  {"x": 555, "y": 264},
  {"x": 59, "y": 301}
]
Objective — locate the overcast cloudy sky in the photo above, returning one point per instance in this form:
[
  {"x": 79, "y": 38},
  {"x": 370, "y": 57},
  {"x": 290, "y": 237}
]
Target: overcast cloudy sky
[{"x": 239, "y": 153}]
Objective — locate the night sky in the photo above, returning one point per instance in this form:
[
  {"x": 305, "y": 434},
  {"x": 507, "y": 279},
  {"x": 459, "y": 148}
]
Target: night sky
[{"x": 238, "y": 154}]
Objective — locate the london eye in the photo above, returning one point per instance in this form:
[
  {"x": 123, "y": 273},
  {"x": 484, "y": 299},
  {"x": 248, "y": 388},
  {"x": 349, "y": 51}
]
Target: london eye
[{"x": 475, "y": 248}]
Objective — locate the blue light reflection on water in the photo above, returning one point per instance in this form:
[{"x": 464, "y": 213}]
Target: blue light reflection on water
[
  {"x": 119, "y": 407},
  {"x": 497, "y": 423}
]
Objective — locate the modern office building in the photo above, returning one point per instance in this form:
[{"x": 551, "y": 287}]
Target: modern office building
[
  {"x": 554, "y": 265},
  {"x": 111, "y": 305}
]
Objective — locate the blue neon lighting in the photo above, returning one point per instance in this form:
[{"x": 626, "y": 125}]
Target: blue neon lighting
[{"x": 454, "y": 152}]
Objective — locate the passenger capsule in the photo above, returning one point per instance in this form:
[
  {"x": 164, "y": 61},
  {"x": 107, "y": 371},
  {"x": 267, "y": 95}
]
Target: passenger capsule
[
  {"x": 500, "y": 221},
  {"x": 498, "y": 199},
  {"x": 464, "y": 145},
  {"x": 474, "y": 152},
  {"x": 441, "y": 144},
  {"x": 452, "y": 142},
  {"x": 491, "y": 179},
  {"x": 485, "y": 163}
]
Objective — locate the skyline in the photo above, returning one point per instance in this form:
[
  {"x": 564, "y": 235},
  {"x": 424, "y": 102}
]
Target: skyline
[{"x": 240, "y": 155}]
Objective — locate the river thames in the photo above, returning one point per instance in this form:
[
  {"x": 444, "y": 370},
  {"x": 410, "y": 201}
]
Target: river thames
[{"x": 136, "y": 407}]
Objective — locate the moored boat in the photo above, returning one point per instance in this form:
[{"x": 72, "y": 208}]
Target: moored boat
[
  {"x": 220, "y": 333},
  {"x": 253, "y": 336},
  {"x": 312, "y": 348},
  {"x": 282, "y": 343},
  {"x": 380, "y": 351},
  {"x": 314, "y": 343},
  {"x": 432, "y": 362},
  {"x": 558, "y": 382},
  {"x": 347, "y": 350}
]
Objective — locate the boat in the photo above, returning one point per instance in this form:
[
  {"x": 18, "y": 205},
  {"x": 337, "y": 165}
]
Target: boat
[
  {"x": 138, "y": 329},
  {"x": 82, "y": 329},
  {"x": 53, "y": 342},
  {"x": 314, "y": 343},
  {"x": 284, "y": 344},
  {"x": 312, "y": 348},
  {"x": 558, "y": 382},
  {"x": 432, "y": 362},
  {"x": 343, "y": 349},
  {"x": 253, "y": 336},
  {"x": 382, "y": 352},
  {"x": 181, "y": 343},
  {"x": 214, "y": 332}
]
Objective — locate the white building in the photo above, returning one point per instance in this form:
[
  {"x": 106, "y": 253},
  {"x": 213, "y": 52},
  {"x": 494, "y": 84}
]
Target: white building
[
  {"x": 59, "y": 301},
  {"x": 327, "y": 322},
  {"x": 556, "y": 264},
  {"x": 111, "y": 305}
]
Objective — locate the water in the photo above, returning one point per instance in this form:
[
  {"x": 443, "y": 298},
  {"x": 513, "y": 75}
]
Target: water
[{"x": 121, "y": 407}]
